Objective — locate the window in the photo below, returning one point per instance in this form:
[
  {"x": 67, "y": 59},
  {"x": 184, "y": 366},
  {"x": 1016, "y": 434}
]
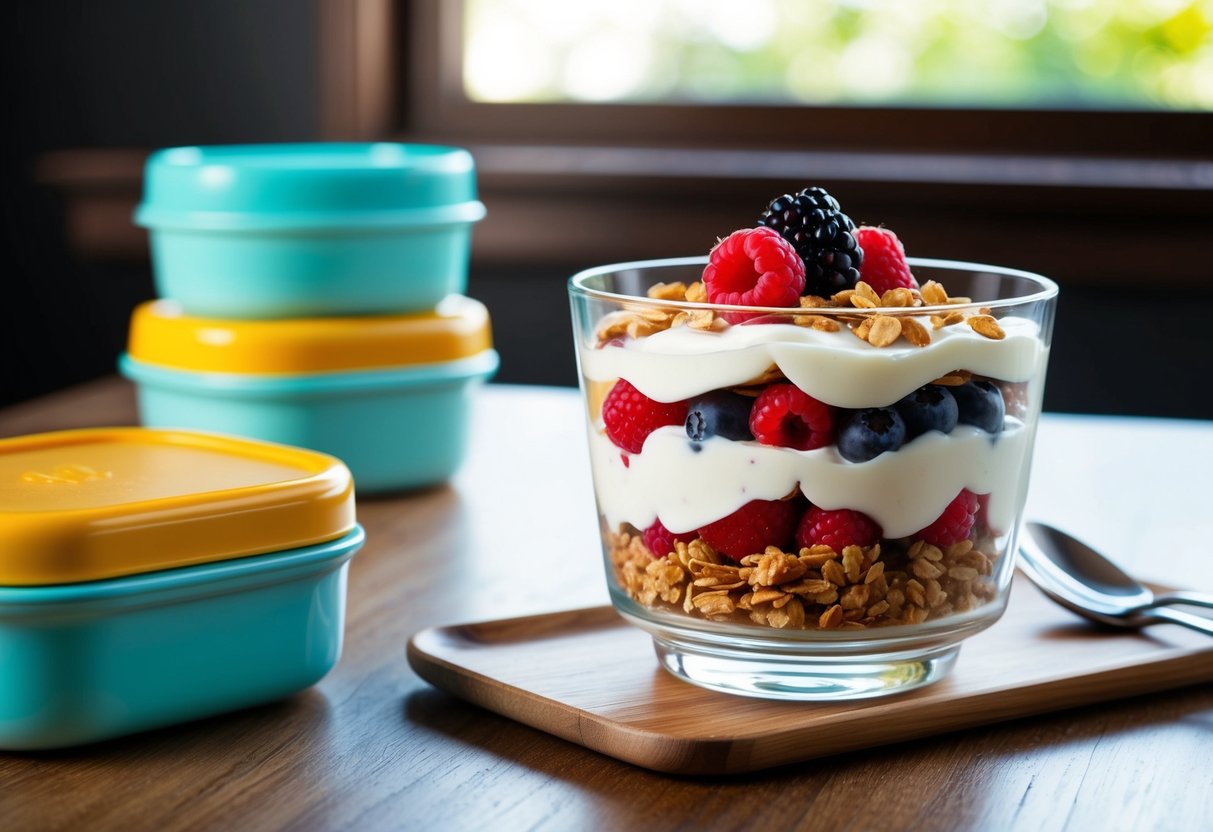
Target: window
[
  {"x": 460, "y": 77},
  {"x": 1076, "y": 54},
  {"x": 1036, "y": 186}
]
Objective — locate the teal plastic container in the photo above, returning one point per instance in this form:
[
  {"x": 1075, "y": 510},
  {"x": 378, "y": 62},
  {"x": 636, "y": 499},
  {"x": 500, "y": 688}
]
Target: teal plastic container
[
  {"x": 102, "y": 659},
  {"x": 389, "y": 396},
  {"x": 135, "y": 592},
  {"x": 395, "y": 429},
  {"x": 297, "y": 230}
]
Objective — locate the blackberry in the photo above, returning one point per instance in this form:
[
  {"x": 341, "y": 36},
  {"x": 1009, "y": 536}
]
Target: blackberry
[{"x": 823, "y": 237}]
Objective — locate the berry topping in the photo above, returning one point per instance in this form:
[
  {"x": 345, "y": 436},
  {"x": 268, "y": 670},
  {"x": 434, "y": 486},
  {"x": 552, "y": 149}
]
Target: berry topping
[
  {"x": 928, "y": 408},
  {"x": 837, "y": 529},
  {"x": 719, "y": 413},
  {"x": 980, "y": 403},
  {"x": 866, "y": 434},
  {"x": 884, "y": 260},
  {"x": 660, "y": 540},
  {"x": 786, "y": 416},
  {"x": 753, "y": 527},
  {"x": 956, "y": 522},
  {"x": 630, "y": 416},
  {"x": 822, "y": 235},
  {"x": 754, "y": 267}
]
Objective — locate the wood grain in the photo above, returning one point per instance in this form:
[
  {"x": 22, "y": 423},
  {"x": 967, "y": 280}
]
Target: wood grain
[
  {"x": 589, "y": 677},
  {"x": 372, "y": 746}
]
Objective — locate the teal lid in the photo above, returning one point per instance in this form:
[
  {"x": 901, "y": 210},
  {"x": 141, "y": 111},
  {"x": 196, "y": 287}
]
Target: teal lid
[{"x": 247, "y": 187}]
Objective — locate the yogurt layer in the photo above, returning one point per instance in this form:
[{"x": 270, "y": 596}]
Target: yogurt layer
[
  {"x": 903, "y": 491},
  {"x": 832, "y": 367}
]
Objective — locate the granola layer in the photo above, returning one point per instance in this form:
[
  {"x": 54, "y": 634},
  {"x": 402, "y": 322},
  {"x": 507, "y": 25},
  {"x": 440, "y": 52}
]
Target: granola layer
[{"x": 903, "y": 582}]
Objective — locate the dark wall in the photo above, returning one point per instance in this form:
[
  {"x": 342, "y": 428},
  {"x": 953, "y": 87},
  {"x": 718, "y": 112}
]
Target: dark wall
[{"x": 124, "y": 73}]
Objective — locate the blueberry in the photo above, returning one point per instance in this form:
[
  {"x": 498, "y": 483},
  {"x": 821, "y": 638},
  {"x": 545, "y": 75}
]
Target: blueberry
[
  {"x": 866, "y": 434},
  {"x": 928, "y": 408},
  {"x": 980, "y": 404},
  {"x": 719, "y": 413}
]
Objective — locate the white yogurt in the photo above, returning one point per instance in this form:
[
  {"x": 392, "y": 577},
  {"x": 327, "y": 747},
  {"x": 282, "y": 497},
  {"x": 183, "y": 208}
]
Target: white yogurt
[
  {"x": 904, "y": 491},
  {"x": 833, "y": 367}
]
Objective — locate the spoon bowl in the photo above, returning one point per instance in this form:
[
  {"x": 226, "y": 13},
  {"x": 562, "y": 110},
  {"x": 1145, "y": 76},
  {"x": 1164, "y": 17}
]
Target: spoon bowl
[{"x": 1087, "y": 583}]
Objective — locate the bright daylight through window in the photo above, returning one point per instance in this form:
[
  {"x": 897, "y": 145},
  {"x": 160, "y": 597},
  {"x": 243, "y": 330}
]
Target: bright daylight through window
[{"x": 1080, "y": 54}]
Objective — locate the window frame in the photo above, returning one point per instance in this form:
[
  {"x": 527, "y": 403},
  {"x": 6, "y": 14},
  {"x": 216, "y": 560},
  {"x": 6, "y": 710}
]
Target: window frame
[
  {"x": 429, "y": 74},
  {"x": 1083, "y": 196},
  {"x": 605, "y": 175}
]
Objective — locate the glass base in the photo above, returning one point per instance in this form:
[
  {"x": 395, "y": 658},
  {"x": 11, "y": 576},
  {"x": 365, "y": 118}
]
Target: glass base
[{"x": 802, "y": 679}]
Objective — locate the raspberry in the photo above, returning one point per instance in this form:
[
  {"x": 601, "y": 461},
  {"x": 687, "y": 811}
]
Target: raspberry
[
  {"x": 630, "y": 416},
  {"x": 753, "y": 527},
  {"x": 956, "y": 522},
  {"x": 754, "y": 267},
  {"x": 660, "y": 540},
  {"x": 884, "y": 264},
  {"x": 786, "y": 416},
  {"x": 837, "y": 529}
]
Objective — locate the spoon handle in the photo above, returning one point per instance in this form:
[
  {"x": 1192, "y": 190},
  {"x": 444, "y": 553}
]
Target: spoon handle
[
  {"x": 1186, "y": 619},
  {"x": 1195, "y": 599}
]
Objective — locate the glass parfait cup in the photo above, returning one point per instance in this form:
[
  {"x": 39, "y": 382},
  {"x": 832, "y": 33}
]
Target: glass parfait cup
[{"x": 788, "y": 503}]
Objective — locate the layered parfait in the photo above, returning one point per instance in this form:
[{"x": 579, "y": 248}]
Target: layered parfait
[{"x": 851, "y": 456}]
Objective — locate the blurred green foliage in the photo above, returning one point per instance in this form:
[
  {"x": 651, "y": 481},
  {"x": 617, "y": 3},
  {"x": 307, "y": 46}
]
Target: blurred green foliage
[{"x": 1073, "y": 54}]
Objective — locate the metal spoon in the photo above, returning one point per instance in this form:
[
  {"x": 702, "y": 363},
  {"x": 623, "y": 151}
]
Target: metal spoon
[{"x": 1084, "y": 581}]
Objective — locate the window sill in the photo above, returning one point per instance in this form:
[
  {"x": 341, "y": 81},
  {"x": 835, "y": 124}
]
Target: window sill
[{"x": 1078, "y": 218}]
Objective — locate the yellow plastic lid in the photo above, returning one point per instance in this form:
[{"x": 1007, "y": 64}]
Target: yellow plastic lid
[
  {"x": 82, "y": 505},
  {"x": 161, "y": 333}
]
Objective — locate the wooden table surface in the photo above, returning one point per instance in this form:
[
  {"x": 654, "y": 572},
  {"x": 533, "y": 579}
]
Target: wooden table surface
[{"x": 373, "y": 747}]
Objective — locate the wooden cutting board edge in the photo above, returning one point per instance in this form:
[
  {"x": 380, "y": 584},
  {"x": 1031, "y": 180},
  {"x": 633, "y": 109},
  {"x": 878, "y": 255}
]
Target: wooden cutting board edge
[{"x": 839, "y": 733}]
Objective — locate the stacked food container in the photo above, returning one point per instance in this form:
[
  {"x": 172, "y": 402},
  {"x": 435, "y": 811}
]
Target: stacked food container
[
  {"x": 149, "y": 577},
  {"x": 311, "y": 295}
]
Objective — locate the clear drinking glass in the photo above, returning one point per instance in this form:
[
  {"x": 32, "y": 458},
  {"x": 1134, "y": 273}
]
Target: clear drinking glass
[{"x": 753, "y": 595}]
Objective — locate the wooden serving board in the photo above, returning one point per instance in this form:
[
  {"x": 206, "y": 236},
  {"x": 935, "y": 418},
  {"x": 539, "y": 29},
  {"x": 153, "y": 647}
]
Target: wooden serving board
[{"x": 591, "y": 678}]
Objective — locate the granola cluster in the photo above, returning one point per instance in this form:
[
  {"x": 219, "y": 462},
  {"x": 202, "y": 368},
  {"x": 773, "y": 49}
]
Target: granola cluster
[
  {"x": 880, "y": 329},
  {"x": 815, "y": 588}
]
